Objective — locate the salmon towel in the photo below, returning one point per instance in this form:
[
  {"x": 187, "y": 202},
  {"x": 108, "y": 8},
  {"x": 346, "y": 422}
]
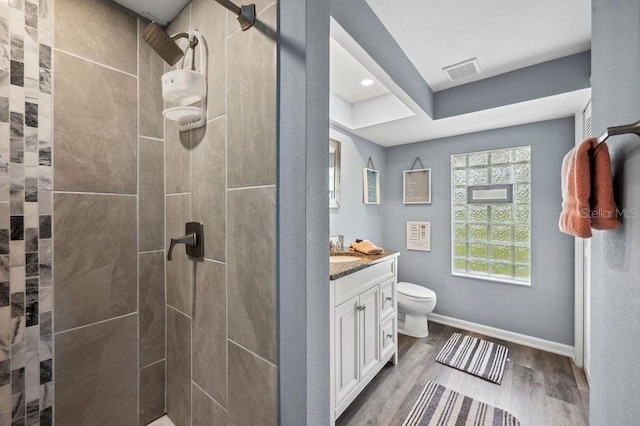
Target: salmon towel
[
  {"x": 604, "y": 212},
  {"x": 576, "y": 188},
  {"x": 587, "y": 190},
  {"x": 366, "y": 247}
]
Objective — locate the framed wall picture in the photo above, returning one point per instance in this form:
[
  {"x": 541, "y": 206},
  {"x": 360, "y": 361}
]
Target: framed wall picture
[
  {"x": 419, "y": 236},
  {"x": 371, "y": 186},
  {"x": 416, "y": 186}
]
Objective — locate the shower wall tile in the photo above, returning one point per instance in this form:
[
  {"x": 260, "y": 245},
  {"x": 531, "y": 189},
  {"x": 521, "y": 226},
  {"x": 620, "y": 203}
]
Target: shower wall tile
[
  {"x": 24, "y": 342},
  {"x": 179, "y": 270},
  {"x": 151, "y": 233},
  {"x": 178, "y": 367},
  {"x": 252, "y": 290},
  {"x": 94, "y": 154},
  {"x": 207, "y": 174},
  {"x": 210, "y": 21},
  {"x": 252, "y": 383},
  {"x": 178, "y": 162},
  {"x": 206, "y": 412},
  {"x": 208, "y": 185},
  {"x": 151, "y": 68},
  {"x": 31, "y": 14},
  {"x": 251, "y": 105},
  {"x": 152, "y": 396},
  {"x": 210, "y": 331},
  {"x": 151, "y": 194},
  {"x": 95, "y": 258},
  {"x": 113, "y": 33},
  {"x": 181, "y": 23},
  {"x": 96, "y": 372},
  {"x": 152, "y": 309},
  {"x": 18, "y": 409}
]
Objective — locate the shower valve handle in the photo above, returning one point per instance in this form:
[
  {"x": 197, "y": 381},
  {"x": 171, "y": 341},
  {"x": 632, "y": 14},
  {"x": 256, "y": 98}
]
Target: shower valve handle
[
  {"x": 188, "y": 240},
  {"x": 193, "y": 240}
]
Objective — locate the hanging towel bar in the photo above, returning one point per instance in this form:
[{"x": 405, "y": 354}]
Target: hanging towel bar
[{"x": 620, "y": 130}]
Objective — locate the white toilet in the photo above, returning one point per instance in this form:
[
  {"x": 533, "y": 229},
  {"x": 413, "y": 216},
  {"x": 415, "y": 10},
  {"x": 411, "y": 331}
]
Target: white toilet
[{"x": 414, "y": 304}]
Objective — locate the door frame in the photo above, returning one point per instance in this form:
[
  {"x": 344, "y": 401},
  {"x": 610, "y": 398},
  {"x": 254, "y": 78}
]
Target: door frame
[{"x": 581, "y": 133}]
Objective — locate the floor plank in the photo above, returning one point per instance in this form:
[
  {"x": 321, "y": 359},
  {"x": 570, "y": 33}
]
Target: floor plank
[{"x": 538, "y": 387}]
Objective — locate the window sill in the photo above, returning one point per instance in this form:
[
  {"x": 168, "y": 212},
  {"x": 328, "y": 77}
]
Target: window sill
[{"x": 493, "y": 279}]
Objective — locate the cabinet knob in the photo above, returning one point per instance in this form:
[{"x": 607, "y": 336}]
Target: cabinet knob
[
  {"x": 362, "y": 307},
  {"x": 389, "y": 336},
  {"x": 389, "y": 298}
]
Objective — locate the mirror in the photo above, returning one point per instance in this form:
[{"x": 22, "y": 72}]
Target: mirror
[{"x": 334, "y": 173}]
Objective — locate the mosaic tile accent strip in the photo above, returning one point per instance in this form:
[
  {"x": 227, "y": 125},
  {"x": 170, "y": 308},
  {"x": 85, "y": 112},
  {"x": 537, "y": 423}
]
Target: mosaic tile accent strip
[{"x": 26, "y": 292}]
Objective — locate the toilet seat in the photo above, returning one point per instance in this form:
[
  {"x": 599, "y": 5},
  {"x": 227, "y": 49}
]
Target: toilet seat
[{"x": 414, "y": 291}]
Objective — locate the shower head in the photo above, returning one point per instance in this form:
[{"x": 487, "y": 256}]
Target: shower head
[{"x": 165, "y": 46}]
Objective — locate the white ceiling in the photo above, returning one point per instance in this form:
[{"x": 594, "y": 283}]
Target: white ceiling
[
  {"x": 503, "y": 34},
  {"x": 161, "y": 11},
  {"x": 346, "y": 75}
]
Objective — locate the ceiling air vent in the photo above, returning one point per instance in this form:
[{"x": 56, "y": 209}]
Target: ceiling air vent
[{"x": 462, "y": 70}]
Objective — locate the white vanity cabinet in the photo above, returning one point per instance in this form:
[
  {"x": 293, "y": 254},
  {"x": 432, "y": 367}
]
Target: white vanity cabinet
[{"x": 363, "y": 330}]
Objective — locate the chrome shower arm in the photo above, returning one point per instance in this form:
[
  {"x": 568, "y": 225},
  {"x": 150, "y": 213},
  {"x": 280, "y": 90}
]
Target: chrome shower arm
[{"x": 246, "y": 13}]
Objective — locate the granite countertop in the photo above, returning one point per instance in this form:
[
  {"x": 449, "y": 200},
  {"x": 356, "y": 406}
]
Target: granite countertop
[{"x": 360, "y": 261}]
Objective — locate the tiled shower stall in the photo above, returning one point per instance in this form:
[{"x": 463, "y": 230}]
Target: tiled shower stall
[{"x": 128, "y": 336}]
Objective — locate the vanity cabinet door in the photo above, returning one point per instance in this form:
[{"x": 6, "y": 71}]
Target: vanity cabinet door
[
  {"x": 346, "y": 347},
  {"x": 369, "y": 319}
]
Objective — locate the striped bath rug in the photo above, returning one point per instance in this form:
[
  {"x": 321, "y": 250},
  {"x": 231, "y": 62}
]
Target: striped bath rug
[
  {"x": 440, "y": 406},
  {"x": 475, "y": 356}
]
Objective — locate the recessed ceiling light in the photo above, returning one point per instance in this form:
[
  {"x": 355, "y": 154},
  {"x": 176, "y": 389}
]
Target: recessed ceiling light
[{"x": 366, "y": 82}]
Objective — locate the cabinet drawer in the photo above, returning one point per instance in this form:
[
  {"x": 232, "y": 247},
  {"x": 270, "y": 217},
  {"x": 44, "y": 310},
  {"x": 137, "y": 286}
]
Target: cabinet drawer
[
  {"x": 387, "y": 298},
  {"x": 358, "y": 282},
  {"x": 387, "y": 337}
]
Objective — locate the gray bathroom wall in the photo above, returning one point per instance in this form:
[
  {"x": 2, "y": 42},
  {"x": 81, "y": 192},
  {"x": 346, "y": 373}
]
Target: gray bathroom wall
[
  {"x": 353, "y": 218},
  {"x": 303, "y": 216},
  {"x": 549, "y": 78},
  {"x": 615, "y": 287},
  {"x": 357, "y": 18},
  {"x": 545, "y": 309}
]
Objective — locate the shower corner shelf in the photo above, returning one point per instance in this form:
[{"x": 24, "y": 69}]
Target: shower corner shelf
[{"x": 188, "y": 117}]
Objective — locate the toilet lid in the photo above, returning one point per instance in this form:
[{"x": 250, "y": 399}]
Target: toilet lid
[{"x": 416, "y": 291}]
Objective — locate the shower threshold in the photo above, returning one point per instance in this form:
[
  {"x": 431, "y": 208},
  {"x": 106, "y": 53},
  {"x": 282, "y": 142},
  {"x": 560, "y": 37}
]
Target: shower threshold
[{"x": 162, "y": 421}]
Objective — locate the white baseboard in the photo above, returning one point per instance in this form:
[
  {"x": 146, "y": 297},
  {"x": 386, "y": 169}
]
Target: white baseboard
[{"x": 509, "y": 336}]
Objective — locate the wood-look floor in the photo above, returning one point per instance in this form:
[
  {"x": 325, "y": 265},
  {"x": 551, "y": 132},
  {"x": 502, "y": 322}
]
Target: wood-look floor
[{"x": 538, "y": 387}]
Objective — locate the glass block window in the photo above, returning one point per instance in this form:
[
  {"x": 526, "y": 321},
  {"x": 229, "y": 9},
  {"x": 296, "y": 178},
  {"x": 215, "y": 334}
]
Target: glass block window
[{"x": 492, "y": 240}]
